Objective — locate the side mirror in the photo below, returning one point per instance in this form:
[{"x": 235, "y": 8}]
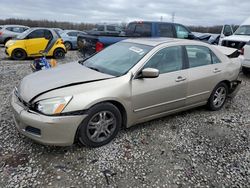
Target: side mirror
[
  {"x": 150, "y": 73},
  {"x": 191, "y": 36}
]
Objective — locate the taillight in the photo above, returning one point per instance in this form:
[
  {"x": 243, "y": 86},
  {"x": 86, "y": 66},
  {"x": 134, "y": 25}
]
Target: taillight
[
  {"x": 99, "y": 46},
  {"x": 242, "y": 50}
]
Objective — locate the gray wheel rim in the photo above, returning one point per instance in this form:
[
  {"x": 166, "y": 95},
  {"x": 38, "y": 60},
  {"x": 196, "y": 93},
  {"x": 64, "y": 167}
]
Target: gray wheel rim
[
  {"x": 101, "y": 126},
  {"x": 219, "y": 97},
  {"x": 67, "y": 45}
]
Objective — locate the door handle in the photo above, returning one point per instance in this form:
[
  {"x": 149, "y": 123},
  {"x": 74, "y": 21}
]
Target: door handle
[
  {"x": 216, "y": 70},
  {"x": 180, "y": 79}
]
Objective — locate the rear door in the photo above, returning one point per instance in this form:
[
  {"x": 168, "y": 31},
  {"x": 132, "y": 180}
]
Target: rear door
[
  {"x": 204, "y": 73},
  {"x": 36, "y": 42},
  {"x": 153, "y": 96}
]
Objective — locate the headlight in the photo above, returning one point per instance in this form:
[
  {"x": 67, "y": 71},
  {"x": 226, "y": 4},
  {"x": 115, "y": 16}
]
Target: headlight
[
  {"x": 10, "y": 43},
  {"x": 52, "y": 106}
]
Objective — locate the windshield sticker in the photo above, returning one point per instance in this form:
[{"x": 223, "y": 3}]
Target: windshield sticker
[{"x": 137, "y": 50}]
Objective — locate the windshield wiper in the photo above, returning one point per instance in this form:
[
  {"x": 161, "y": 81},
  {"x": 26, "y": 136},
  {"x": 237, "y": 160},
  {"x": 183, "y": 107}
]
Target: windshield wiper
[{"x": 93, "y": 68}]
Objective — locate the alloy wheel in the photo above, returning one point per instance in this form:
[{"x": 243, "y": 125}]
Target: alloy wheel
[{"x": 101, "y": 126}]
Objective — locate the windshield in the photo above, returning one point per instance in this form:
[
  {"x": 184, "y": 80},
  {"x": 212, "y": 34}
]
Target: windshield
[
  {"x": 243, "y": 30},
  {"x": 23, "y": 35},
  {"x": 117, "y": 59}
]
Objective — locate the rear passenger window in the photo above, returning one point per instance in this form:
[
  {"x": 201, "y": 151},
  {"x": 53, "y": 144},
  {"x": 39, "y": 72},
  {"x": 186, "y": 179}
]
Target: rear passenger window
[
  {"x": 72, "y": 34},
  {"x": 215, "y": 58},
  {"x": 198, "y": 56},
  {"x": 143, "y": 30},
  {"x": 110, "y": 28},
  {"x": 167, "y": 60},
  {"x": 166, "y": 30},
  {"x": 100, "y": 28}
]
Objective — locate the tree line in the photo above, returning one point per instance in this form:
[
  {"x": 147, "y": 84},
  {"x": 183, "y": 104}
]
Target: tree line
[
  {"x": 88, "y": 26},
  {"x": 47, "y": 23}
]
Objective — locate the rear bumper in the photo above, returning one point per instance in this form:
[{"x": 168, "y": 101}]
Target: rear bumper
[{"x": 48, "y": 130}]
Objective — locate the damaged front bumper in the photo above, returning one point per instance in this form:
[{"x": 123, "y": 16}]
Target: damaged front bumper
[{"x": 48, "y": 130}]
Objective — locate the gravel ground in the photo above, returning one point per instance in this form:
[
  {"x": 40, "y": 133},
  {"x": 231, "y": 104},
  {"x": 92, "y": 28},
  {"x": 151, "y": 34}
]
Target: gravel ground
[{"x": 197, "y": 148}]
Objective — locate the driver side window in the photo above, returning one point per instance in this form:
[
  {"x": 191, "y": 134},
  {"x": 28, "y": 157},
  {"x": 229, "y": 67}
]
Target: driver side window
[
  {"x": 36, "y": 34},
  {"x": 167, "y": 60},
  {"x": 182, "y": 32}
]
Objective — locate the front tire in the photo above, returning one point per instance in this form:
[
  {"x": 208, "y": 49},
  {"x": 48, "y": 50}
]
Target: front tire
[
  {"x": 218, "y": 97},
  {"x": 101, "y": 126},
  {"x": 18, "y": 54},
  {"x": 59, "y": 53}
]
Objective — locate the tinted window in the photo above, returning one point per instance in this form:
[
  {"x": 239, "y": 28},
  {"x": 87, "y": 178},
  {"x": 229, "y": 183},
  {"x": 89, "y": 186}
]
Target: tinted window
[
  {"x": 72, "y": 34},
  {"x": 181, "y": 31},
  {"x": 110, "y": 28},
  {"x": 117, "y": 28},
  {"x": 227, "y": 30},
  {"x": 167, "y": 60},
  {"x": 15, "y": 29},
  {"x": 143, "y": 30},
  {"x": 39, "y": 33},
  {"x": 100, "y": 28},
  {"x": 165, "y": 30},
  {"x": 131, "y": 28},
  {"x": 48, "y": 34},
  {"x": 198, "y": 56}
]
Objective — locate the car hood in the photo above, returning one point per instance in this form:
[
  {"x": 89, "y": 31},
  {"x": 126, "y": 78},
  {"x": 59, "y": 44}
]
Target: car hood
[
  {"x": 62, "y": 76},
  {"x": 241, "y": 38}
]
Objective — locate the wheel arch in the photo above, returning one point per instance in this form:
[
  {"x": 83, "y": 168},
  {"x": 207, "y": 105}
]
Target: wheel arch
[
  {"x": 18, "y": 48},
  {"x": 117, "y": 104}
]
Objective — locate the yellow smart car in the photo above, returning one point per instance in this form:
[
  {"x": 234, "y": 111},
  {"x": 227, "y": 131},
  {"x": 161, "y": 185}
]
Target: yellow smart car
[{"x": 34, "y": 41}]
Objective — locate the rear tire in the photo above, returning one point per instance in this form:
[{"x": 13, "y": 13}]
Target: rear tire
[
  {"x": 218, "y": 97},
  {"x": 68, "y": 45},
  {"x": 18, "y": 54},
  {"x": 59, "y": 53},
  {"x": 102, "y": 124},
  {"x": 246, "y": 71}
]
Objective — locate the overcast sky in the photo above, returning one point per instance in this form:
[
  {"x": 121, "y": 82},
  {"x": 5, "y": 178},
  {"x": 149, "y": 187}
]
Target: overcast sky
[{"x": 187, "y": 12}]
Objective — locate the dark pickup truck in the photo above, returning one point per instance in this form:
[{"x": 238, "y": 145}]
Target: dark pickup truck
[{"x": 89, "y": 44}]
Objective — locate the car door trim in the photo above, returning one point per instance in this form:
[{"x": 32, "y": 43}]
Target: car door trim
[
  {"x": 198, "y": 94},
  {"x": 158, "y": 105},
  {"x": 170, "y": 102}
]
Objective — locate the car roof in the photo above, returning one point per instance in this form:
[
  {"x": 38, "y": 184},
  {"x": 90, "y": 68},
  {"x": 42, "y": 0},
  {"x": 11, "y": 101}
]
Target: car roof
[
  {"x": 153, "y": 41},
  {"x": 35, "y": 28},
  {"x": 71, "y": 30}
]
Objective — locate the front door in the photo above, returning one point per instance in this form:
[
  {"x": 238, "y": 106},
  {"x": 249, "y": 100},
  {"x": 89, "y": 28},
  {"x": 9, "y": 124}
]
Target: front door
[
  {"x": 153, "y": 96},
  {"x": 36, "y": 42}
]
